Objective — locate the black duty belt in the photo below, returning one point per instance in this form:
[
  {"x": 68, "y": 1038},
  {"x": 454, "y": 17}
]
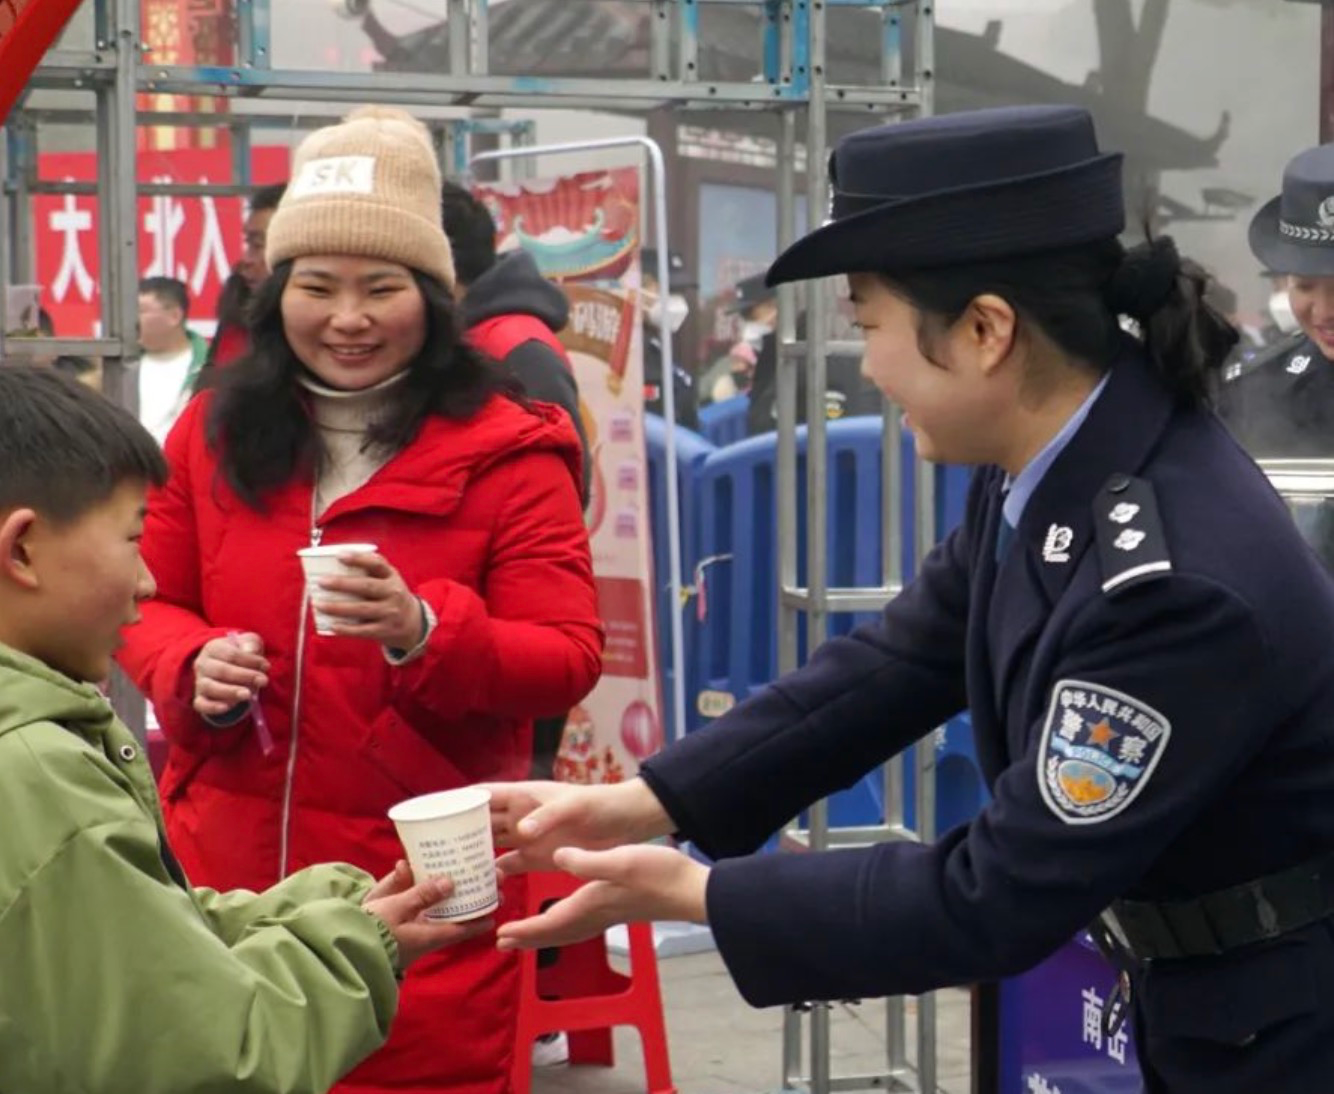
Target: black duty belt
[{"x": 1208, "y": 925}]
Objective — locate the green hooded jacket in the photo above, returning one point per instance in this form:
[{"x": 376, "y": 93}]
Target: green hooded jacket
[{"x": 120, "y": 979}]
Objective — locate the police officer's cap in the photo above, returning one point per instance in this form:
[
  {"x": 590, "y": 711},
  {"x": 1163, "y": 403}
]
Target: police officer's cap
[
  {"x": 1294, "y": 233},
  {"x": 750, "y": 292},
  {"x": 678, "y": 277},
  {"x": 968, "y": 187}
]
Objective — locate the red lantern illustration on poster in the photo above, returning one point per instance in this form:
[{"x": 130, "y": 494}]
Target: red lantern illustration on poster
[{"x": 640, "y": 732}]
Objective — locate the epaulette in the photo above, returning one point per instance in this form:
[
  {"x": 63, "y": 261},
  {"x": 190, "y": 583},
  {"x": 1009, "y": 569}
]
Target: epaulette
[
  {"x": 1131, "y": 545},
  {"x": 1237, "y": 369}
]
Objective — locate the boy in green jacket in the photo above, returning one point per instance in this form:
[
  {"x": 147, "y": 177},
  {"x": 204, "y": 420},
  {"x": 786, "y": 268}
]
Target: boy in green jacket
[{"x": 118, "y": 975}]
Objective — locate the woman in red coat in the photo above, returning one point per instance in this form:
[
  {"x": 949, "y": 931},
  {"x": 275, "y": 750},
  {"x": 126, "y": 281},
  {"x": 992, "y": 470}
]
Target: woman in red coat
[{"x": 361, "y": 416}]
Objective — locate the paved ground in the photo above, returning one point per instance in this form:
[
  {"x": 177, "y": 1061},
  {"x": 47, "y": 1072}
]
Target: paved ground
[{"x": 719, "y": 1045}]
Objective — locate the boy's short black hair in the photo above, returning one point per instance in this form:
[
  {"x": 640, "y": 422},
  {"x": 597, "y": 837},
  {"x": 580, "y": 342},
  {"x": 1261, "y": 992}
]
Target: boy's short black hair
[
  {"x": 471, "y": 231},
  {"x": 64, "y": 448},
  {"x": 168, "y": 291}
]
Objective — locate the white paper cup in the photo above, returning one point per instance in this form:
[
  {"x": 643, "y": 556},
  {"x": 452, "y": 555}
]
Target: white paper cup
[
  {"x": 448, "y": 834},
  {"x": 323, "y": 561}
]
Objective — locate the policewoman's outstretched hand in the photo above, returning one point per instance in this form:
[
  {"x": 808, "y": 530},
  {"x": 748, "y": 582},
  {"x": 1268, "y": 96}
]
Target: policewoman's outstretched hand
[
  {"x": 400, "y": 903},
  {"x": 625, "y": 885},
  {"x": 537, "y": 818}
]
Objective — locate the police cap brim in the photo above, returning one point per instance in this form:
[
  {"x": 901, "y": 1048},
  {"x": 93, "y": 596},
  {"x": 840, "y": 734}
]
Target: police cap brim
[{"x": 1281, "y": 255}]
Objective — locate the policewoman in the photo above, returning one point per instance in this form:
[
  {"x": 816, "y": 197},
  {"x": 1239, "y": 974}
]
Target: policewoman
[
  {"x": 1280, "y": 402},
  {"x": 1140, "y": 635}
]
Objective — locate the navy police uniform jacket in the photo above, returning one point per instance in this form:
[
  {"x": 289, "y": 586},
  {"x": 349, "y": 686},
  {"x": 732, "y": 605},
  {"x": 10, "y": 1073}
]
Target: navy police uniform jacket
[
  {"x": 1153, "y": 702},
  {"x": 1280, "y": 403}
]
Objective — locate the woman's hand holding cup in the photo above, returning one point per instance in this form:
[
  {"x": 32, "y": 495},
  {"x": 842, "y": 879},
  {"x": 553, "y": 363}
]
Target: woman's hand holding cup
[{"x": 375, "y": 603}]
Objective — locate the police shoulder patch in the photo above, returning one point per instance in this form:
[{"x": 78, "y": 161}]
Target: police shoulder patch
[{"x": 1099, "y": 749}]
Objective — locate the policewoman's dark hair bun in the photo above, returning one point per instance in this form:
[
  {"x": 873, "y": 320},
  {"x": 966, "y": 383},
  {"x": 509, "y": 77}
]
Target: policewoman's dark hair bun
[
  {"x": 1184, "y": 336},
  {"x": 1145, "y": 279}
]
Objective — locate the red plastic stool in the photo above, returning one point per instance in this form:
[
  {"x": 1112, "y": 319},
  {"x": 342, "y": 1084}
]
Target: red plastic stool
[{"x": 584, "y": 997}]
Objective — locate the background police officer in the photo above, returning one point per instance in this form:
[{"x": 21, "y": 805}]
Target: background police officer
[{"x": 1280, "y": 402}]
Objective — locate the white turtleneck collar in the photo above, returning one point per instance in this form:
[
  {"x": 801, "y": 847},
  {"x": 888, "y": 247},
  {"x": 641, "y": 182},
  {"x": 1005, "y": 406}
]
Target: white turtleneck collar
[{"x": 343, "y": 418}]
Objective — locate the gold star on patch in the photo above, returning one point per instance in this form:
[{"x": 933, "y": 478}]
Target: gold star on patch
[{"x": 1102, "y": 734}]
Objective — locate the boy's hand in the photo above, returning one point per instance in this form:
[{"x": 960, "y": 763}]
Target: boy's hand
[
  {"x": 229, "y": 672},
  {"x": 400, "y": 903}
]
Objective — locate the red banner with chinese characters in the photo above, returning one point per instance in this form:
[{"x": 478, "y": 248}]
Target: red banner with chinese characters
[
  {"x": 583, "y": 231},
  {"x": 195, "y": 239},
  {"x": 186, "y": 32}
]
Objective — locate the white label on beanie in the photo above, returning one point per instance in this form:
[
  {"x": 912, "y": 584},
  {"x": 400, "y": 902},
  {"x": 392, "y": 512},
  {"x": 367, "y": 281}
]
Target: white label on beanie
[{"x": 336, "y": 175}]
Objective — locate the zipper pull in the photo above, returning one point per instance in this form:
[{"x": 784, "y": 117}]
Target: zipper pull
[{"x": 315, "y": 533}]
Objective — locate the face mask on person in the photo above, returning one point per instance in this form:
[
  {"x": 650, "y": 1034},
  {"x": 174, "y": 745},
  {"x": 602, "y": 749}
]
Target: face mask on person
[
  {"x": 677, "y": 310},
  {"x": 755, "y": 333},
  {"x": 1280, "y": 310}
]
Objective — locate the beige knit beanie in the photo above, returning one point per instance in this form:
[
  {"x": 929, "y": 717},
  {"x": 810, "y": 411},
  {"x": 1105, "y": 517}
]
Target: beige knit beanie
[{"x": 369, "y": 186}]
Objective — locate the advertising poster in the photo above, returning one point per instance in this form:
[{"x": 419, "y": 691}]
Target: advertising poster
[{"x": 583, "y": 232}]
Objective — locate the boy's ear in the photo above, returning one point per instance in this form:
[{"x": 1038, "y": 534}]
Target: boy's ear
[{"x": 15, "y": 561}]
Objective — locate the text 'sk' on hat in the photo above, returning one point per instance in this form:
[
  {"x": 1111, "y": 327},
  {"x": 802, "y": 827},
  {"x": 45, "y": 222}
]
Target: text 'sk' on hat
[
  {"x": 1294, "y": 233},
  {"x": 968, "y": 187},
  {"x": 369, "y": 186}
]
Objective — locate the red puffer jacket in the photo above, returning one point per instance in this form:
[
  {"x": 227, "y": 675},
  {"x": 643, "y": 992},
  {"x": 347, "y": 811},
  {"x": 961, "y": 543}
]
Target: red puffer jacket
[{"x": 482, "y": 518}]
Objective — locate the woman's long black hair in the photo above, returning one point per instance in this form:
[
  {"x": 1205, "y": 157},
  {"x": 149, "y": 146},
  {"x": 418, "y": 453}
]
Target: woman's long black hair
[
  {"x": 260, "y": 421},
  {"x": 1076, "y": 296}
]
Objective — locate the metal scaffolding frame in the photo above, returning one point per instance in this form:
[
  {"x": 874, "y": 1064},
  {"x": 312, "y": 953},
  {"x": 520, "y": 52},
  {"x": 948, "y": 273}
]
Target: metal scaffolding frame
[{"x": 792, "y": 80}]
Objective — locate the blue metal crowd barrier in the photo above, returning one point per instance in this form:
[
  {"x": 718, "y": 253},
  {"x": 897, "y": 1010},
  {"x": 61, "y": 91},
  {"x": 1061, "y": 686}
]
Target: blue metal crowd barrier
[
  {"x": 729, "y": 523},
  {"x": 724, "y": 422},
  {"x": 691, "y": 451}
]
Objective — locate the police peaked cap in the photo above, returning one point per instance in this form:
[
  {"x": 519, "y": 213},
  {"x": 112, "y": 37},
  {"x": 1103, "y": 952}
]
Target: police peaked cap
[
  {"x": 750, "y": 292},
  {"x": 1294, "y": 232},
  {"x": 969, "y": 187}
]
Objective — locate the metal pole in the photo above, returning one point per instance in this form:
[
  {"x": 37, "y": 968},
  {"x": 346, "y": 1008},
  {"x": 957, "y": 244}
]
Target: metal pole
[
  {"x": 480, "y": 27},
  {"x": 659, "y": 39},
  {"x": 23, "y": 167},
  {"x": 785, "y": 485},
  {"x": 460, "y": 30},
  {"x": 1326, "y": 72},
  {"x": 120, "y": 261},
  {"x": 925, "y": 540},
  {"x": 891, "y": 562},
  {"x": 926, "y": 535},
  {"x": 6, "y": 220},
  {"x": 658, "y": 173},
  {"x": 817, "y": 457}
]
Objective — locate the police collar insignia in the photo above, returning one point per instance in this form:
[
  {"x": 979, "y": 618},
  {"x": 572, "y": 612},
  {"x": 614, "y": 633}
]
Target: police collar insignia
[
  {"x": 1098, "y": 751},
  {"x": 1128, "y": 540},
  {"x": 1056, "y": 547},
  {"x": 1299, "y": 363},
  {"x": 1131, "y": 545}
]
